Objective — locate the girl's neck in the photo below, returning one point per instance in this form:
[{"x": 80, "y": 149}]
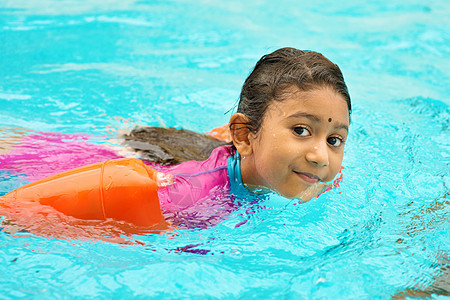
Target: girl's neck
[{"x": 248, "y": 172}]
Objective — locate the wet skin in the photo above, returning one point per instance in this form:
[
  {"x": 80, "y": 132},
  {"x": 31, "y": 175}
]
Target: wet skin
[{"x": 299, "y": 144}]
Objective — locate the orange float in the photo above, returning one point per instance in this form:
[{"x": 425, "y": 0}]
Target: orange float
[
  {"x": 120, "y": 189},
  {"x": 221, "y": 133}
]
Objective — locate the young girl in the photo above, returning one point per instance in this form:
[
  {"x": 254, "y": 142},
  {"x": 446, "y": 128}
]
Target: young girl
[{"x": 288, "y": 137}]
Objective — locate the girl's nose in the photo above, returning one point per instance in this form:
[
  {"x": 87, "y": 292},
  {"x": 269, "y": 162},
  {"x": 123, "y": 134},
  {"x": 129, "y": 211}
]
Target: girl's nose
[{"x": 318, "y": 154}]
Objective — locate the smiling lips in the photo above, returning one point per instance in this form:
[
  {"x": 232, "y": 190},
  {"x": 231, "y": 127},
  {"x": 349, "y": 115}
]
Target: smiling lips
[{"x": 308, "y": 177}]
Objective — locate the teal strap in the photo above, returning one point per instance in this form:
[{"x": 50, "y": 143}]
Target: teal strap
[{"x": 235, "y": 176}]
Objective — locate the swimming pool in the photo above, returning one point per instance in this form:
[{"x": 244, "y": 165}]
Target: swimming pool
[{"x": 97, "y": 68}]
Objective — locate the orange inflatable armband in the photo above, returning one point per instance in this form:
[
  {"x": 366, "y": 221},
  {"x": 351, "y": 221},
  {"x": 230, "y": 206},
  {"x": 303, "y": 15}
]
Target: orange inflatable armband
[
  {"x": 221, "y": 133},
  {"x": 121, "y": 189}
]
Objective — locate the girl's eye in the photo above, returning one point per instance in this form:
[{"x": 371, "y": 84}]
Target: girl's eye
[
  {"x": 334, "y": 141},
  {"x": 301, "y": 131}
]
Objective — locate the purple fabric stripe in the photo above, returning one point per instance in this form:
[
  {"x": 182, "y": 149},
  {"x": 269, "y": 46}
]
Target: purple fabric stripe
[{"x": 201, "y": 173}]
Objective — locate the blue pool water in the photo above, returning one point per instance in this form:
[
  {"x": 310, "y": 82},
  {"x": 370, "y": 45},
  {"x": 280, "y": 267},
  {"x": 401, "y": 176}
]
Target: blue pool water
[{"x": 100, "y": 67}]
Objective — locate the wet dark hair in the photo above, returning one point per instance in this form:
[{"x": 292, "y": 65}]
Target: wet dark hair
[{"x": 274, "y": 73}]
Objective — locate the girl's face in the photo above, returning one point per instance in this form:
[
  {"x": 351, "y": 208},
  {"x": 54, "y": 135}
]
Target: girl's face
[{"x": 300, "y": 142}]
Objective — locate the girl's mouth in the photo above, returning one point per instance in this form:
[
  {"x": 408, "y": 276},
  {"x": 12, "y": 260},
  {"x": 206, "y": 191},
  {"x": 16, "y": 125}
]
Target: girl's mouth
[{"x": 308, "y": 177}]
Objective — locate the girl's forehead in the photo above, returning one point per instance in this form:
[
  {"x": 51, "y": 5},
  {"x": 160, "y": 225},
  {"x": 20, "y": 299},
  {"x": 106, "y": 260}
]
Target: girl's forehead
[
  {"x": 322, "y": 102},
  {"x": 310, "y": 99}
]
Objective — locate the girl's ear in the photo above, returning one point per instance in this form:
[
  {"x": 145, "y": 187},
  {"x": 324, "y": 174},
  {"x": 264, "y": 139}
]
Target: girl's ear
[{"x": 240, "y": 134}]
